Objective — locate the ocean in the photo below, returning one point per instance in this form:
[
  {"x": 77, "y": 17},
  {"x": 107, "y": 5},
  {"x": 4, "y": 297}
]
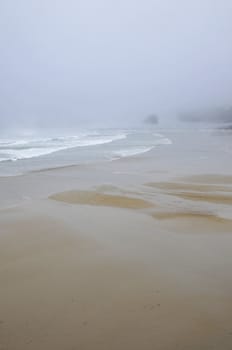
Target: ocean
[{"x": 22, "y": 154}]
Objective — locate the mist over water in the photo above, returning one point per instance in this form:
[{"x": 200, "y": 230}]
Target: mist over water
[
  {"x": 80, "y": 80},
  {"x": 90, "y": 64}
]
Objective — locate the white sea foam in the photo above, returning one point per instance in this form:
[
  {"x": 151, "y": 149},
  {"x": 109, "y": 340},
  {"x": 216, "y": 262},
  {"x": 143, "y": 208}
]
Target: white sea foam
[
  {"x": 132, "y": 151},
  {"x": 129, "y": 152},
  {"x": 156, "y": 134},
  {"x": 163, "y": 141},
  {"x": 91, "y": 146},
  {"x": 12, "y": 150}
]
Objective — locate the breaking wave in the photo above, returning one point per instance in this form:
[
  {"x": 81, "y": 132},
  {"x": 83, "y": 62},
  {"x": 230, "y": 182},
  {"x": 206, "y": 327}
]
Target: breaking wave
[{"x": 12, "y": 150}]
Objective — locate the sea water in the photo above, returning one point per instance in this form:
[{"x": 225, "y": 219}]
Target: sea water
[{"x": 22, "y": 154}]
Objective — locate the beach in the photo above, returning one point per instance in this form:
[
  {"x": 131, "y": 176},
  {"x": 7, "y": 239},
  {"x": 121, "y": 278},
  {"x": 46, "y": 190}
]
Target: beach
[{"x": 134, "y": 253}]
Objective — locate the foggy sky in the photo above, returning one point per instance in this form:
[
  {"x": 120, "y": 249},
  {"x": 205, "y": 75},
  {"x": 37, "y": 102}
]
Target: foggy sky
[{"x": 70, "y": 62}]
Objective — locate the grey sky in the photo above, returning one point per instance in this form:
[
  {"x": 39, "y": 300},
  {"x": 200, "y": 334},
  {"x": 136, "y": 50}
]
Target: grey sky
[{"x": 90, "y": 61}]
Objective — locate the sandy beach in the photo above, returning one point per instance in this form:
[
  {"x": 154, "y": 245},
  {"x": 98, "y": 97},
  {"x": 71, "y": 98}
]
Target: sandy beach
[
  {"x": 107, "y": 257},
  {"x": 115, "y": 175}
]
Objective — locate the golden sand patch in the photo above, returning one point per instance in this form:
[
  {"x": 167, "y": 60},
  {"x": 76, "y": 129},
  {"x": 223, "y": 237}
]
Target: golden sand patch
[
  {"x": 204, "y": 197},
  {"x": 101, "y": 199},
  {"x": 196, "y": 192},
  {"x": 196, "y": 221},
  {"x": 189, "y": 187}
]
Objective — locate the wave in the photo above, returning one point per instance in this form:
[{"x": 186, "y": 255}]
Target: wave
[
  {"x": 133, "y": 142},
  {"x": 12, "y": 150},
  {"x": 163, "y": 141},
  {"x": 131, "y": 152}
]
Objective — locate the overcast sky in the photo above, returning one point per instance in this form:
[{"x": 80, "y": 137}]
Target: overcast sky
[{"x": 73, "y": 62}]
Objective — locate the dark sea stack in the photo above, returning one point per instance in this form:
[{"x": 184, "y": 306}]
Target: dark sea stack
[{"x": 151, "y": 119}]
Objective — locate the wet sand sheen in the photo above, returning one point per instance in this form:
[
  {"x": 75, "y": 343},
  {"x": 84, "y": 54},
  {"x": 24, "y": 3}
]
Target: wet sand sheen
[
  {"x": 100, "y": 199},
  {"x": 209, "y": 179},
  {"x": 61, "y": 289}
]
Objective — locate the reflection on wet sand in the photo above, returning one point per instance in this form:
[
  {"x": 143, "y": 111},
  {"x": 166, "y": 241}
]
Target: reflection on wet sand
[{"x": 209, "y": 178}]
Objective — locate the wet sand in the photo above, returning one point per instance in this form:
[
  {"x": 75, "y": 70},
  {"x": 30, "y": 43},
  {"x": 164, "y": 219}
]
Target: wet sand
[
  {"x": 105, "y": 278},
  {"x": 210, "y": 178},
  {"x": 90, "y": 259}
]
